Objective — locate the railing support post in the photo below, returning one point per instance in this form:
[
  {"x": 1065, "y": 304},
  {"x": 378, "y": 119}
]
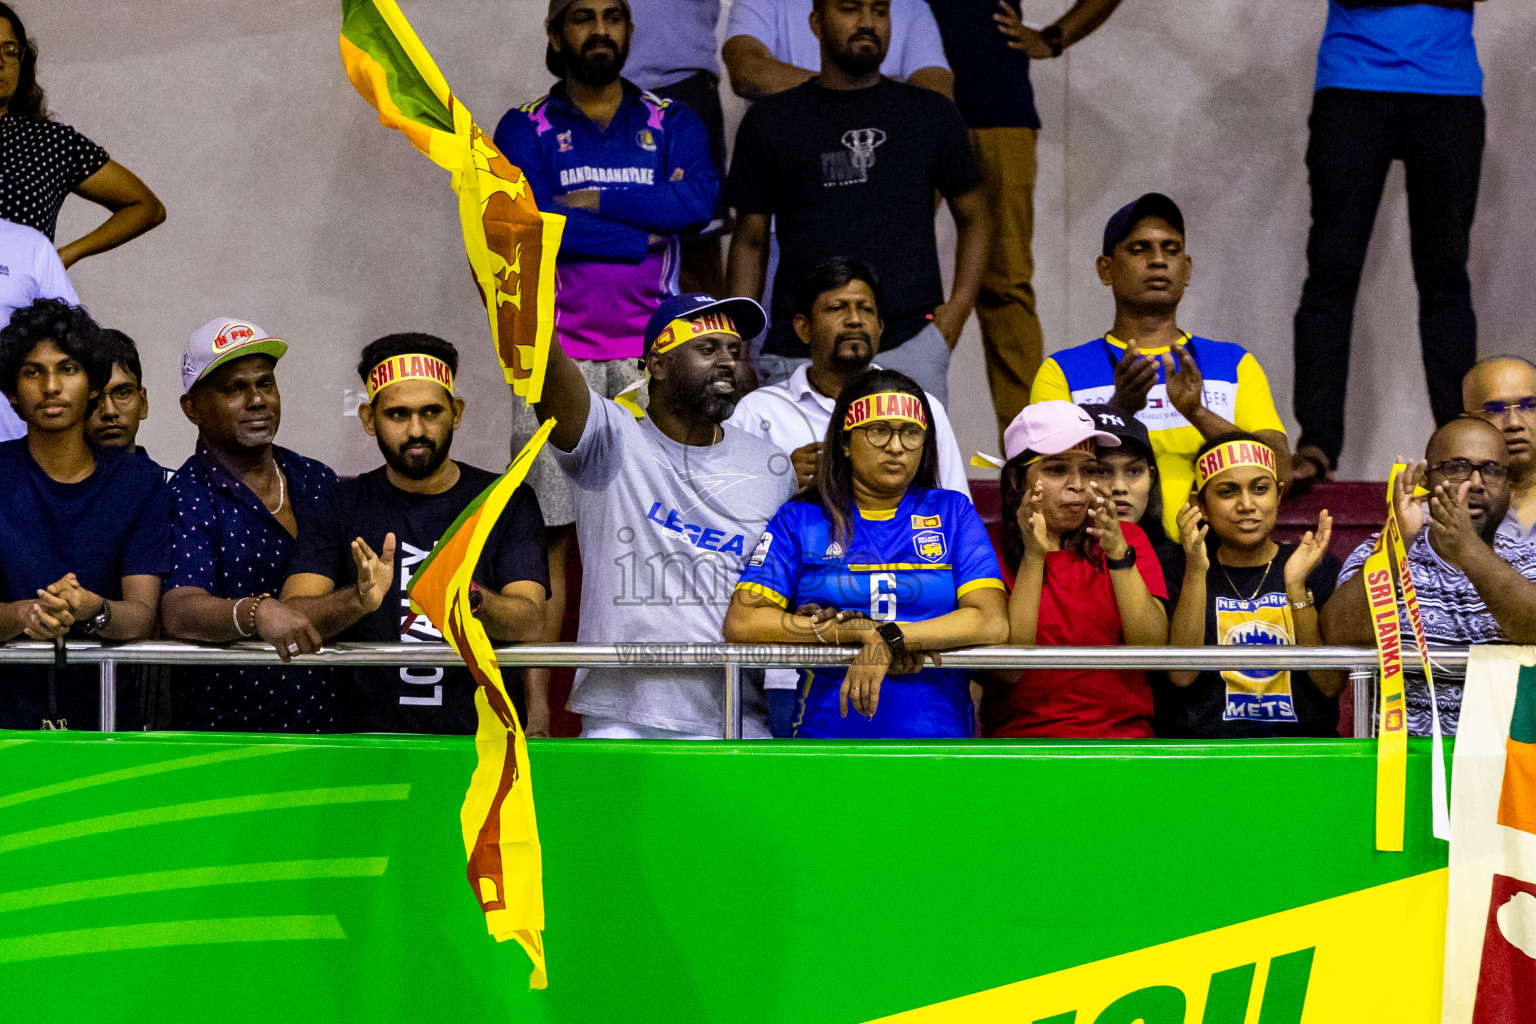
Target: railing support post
[
  {"x": 108, "y": 695},
  {"x": 732, "y": 700},
  {"x": 1363, "y": 683}
]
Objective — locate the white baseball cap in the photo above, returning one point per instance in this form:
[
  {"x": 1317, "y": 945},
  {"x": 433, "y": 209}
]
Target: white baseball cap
[{"x": 222, "y": 339}]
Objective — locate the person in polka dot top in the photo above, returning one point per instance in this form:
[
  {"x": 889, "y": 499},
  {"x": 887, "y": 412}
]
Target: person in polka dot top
[
  {"x": 238, "y": 508},
  {"x": 43, "y": 161}
]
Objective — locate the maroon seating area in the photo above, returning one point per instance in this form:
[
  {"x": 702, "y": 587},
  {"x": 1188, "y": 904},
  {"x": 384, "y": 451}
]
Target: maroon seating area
[{"x": 1358, "y": 508}]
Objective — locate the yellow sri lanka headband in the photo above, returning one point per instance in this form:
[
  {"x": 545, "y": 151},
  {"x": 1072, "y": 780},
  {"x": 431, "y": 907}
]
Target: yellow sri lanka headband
[
  {"x": 681, "y": 330},
  {"x": 885, "y": 405},
  {"x": 1233, "y": 455},
  {"x": 415, "y": 366}
]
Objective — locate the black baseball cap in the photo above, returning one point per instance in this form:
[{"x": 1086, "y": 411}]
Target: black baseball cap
[
  {"x": 1125, "y": 219},
  {"x": 1128, "y": 429},
  {"x": 747, "y": 315}
]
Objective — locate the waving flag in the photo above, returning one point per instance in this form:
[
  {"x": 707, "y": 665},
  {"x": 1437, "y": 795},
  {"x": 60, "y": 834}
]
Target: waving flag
[
  {"x": 511, "y": 245},
  {"x": 501, "y": 835},
  {"x": 1490, "y": 937}
]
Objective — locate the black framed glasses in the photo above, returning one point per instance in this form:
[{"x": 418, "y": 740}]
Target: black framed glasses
[
  {"x": 879, "y": 435},
  {"x": 1459, "y": 471},
  {"x": 1526, "y": 405},
  {"x": 122, "y": 394}
]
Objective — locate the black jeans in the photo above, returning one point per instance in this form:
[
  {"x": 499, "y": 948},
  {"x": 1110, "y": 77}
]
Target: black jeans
[{"x": 1355, "y": 136}]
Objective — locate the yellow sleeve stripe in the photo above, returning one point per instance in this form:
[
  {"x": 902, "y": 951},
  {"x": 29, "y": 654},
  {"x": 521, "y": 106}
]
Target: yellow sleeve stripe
[
  {"x": 772, "y": 595},
  {"x": 1255, "y": 405},
  {"x": 900, "y": 566},
  {"x": 1050, "y": 383},
  {"x": 966, "y": 588}
]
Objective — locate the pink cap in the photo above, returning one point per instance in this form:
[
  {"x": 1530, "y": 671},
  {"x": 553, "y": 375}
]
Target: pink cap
[{"x": 1050, "y": 428}]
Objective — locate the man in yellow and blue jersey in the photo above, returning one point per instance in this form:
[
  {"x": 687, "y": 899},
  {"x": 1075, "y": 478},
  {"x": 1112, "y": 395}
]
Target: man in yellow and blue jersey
[{"x": 1184, "y": 389}]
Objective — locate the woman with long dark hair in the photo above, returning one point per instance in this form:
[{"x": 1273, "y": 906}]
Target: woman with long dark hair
[
  {"x": 43, "y": 161},
  {"x": 873, "y": 553},
  {"x": 1231, "y": 583},
  {"x": 1083, "y": 579}
]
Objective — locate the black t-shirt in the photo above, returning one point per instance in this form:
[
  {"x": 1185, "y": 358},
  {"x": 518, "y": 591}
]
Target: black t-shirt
[
  {"x": 852, "y": 173},
  {"x": 426, "y": 700},
  {"x": 992, "y": 86},
  {"x": 1249, "y": 606}
]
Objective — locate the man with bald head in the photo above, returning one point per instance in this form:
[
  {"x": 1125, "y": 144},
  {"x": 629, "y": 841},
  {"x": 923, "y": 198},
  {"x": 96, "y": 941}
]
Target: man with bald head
[
  {"x": 1475, "y": 584},
  {"x": 1502, "y": 390}
]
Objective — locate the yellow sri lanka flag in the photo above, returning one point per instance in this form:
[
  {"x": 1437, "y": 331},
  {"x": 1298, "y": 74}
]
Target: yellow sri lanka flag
[
  {"x": 501, "y": 835},
  {"x": 511, "y": 245}
]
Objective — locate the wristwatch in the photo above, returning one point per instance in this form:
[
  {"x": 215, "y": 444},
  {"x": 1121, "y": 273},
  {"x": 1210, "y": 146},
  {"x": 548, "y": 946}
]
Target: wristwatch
[
  {"x": 476, "y": 598},
  {"x": 894, "y": 638},
  {"x": 1051, "y": 36},
  {"x": 1308, "y": 603},
  {"x": 98, "y": 622},
  {"x": 1125, "y": 561}
]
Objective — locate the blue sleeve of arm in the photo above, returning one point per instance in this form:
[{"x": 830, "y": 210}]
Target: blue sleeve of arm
[
  {"x": 772, "y": 568},
  {"x": 975, "y": 561},
  {"x": 676, "y": 205},
  {"x": 586, "y": 236}
]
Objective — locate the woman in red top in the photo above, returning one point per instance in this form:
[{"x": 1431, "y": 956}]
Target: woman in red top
[{"x": 1084, "y": 579}]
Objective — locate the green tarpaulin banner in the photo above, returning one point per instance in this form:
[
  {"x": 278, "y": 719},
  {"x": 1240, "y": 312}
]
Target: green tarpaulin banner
[{"x": 161, "y": 877}]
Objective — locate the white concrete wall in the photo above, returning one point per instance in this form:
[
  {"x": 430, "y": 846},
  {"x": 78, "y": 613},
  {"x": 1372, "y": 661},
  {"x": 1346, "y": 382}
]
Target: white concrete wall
[{"x": 290, "y": 205}]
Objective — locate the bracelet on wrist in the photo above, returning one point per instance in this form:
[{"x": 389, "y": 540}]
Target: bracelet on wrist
[{"x": 234, "y": 614}]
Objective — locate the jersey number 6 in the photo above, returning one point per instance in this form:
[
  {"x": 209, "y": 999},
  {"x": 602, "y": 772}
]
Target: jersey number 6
[{"x": 882, "y": 597}]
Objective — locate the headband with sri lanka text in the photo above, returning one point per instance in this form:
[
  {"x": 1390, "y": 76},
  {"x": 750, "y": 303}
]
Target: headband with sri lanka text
[
  {"x": 885, "y": 405},
  {"x": 681, "y": 330},
  {"x": 412, "y": 366},
  {"x": 1232, "y": 455}
]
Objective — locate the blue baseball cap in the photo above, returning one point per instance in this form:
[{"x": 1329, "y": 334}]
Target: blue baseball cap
[
  {"x": 1125, "y": 219},
  {"x": 746, "y": 314}
]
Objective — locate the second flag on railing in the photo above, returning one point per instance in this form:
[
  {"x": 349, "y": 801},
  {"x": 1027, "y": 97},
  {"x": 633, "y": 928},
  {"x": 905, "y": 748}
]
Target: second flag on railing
[
  {"x": 501, "y": 835},
  {"x": 511, "y": 245}
]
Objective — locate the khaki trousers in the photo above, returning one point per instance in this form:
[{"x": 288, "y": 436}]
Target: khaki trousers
[{"x": 1010, "y": 330}]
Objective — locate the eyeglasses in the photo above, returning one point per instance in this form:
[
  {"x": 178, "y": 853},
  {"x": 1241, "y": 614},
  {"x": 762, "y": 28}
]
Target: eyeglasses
[
  {"x": 1459, "y": 471},
  {"x": 1496, "y": 408},
  {"x": 879, "y": 435},
  {"x": 10, "y": 53},
  {"x": 122, "y": 394}
]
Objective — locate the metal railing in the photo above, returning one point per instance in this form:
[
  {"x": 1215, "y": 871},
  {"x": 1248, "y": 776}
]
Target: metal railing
[{"x": 1360, "y": 662}]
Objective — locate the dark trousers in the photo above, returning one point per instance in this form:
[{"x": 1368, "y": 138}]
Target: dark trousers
[{"x": 1355, "y": 136}]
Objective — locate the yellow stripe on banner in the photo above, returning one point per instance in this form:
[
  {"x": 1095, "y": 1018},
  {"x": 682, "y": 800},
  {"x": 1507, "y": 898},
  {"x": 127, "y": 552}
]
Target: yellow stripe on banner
[
  {"x": 772, "y": 595},
  {"x": 1392, "y": 723},
  {"x": 966, "y": 588}
]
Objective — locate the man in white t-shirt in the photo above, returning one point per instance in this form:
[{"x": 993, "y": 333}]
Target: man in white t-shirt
[
  {"x": 30, "y": 269},
  {"x": 838, "y": 318}
]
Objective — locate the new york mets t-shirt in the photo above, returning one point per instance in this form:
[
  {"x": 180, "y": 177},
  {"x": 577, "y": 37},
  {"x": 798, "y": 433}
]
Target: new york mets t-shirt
[{"x": 907, "y": 564}]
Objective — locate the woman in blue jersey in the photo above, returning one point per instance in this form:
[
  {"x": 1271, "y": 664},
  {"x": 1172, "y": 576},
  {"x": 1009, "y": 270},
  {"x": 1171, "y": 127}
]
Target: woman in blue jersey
[{"x": 885, "y": 560}]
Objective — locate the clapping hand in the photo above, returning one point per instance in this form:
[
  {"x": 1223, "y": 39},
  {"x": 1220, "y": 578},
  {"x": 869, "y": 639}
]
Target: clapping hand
[
  {"x": 1134, "y": 376},
  {"x": 1410, "y": 510},
  {"x": 1186, "y": 385},
  {"x": 1104, "y": 524},
  {"x": 1192, "y": 534},
  {"x": 1313, "y": 546},
  {"x": 805, "y": 459},
  {"x": 1037, "y": 539},
  {"x": 375, "y": 573},
  {"x": 1450, "y": 523}
]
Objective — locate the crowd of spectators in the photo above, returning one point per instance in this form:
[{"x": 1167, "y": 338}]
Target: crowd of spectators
[{"x": 810, "y": 490}]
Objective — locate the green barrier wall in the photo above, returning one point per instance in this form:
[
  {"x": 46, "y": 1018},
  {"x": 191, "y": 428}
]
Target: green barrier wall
[{"x": 165, "y": 877}]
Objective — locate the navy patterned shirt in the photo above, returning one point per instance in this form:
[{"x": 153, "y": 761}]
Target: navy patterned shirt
[
  {"x": 1453, "y": 615},
  {"x": 226, "y": 542}
]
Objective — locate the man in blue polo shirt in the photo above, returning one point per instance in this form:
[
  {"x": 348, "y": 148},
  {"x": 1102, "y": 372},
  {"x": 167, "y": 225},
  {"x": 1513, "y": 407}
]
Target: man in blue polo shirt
[
  {"x": 1184, "y": 389},
  {"x": 1395, "y": 81},
  {"x": 237, "y": 508}
]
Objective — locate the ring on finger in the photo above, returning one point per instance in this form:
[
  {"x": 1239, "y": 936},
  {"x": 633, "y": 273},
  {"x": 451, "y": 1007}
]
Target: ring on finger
[{"x": 293, "y": 648}]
